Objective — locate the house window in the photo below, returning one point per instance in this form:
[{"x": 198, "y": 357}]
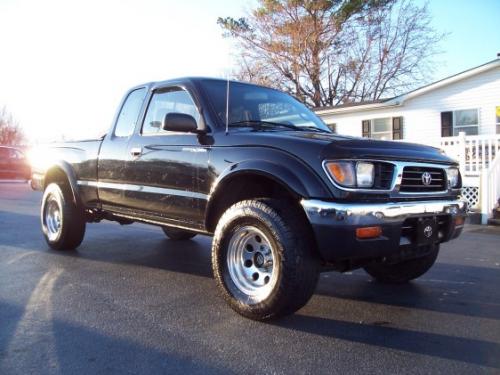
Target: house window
[
  {"x": 381, "y": 128},
  {"x": 466, "y": 121},
  {"x": 387, "y": 128}
]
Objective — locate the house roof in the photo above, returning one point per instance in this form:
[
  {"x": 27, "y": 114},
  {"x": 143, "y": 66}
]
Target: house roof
[
  {"x": 350, "y": 105},
  {"x": 400, "y": 99}
]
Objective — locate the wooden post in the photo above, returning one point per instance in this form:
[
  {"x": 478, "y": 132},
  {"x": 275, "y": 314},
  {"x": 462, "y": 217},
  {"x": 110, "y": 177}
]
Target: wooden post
[
  {"x": 462, "y": 151},
  {"x": 484, "y": 195},
  {"x": 483, "y": 154},
  {"x": 490, "y": 151}
]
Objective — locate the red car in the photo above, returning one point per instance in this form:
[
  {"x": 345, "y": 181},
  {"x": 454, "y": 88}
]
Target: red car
[{"x": 14, "y": 164}]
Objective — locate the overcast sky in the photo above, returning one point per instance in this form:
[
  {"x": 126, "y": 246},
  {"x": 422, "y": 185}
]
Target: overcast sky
[{"x": 65, "y": 64}]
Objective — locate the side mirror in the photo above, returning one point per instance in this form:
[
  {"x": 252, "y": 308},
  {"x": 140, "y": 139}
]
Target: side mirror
[{"x": 179, "y": 122}]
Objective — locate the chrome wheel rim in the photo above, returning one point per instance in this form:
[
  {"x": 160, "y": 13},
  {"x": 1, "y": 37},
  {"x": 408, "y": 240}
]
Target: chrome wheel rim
[
  {"x": 52, "y": 218},
  {"x": 251, "y": 261}
]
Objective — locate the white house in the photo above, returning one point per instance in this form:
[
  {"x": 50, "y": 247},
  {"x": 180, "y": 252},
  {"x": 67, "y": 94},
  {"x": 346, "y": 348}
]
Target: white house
[
  {"x": 460, "y": 114},
  {"x": 468, "y": 102}
]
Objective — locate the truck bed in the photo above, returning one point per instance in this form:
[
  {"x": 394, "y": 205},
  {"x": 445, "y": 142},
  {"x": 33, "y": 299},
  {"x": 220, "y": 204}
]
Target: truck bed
[{"x": 81, "y": 156}]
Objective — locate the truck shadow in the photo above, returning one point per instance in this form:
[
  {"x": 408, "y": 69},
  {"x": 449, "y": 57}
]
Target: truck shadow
[
  {"x": 447, "y": 288},
  {"x": 467, "y": 350},
  {"x": 153, "y": 250}
]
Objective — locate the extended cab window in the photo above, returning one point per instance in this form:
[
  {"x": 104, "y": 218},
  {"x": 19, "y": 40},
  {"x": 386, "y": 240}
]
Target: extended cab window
[
  {"x": 129, "y": 113},
  {"x": 172, "y": 101}
]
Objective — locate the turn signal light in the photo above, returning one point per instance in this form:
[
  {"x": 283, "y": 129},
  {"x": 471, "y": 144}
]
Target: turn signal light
[
  {"x": 459, "y": 221},
  {"x": 368, "y": 232},
  {"x": 342, "y": 172}
]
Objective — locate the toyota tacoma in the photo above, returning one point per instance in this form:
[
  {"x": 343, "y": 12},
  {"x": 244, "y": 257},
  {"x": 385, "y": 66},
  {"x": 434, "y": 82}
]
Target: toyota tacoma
[{"x": 284, "y": 197}]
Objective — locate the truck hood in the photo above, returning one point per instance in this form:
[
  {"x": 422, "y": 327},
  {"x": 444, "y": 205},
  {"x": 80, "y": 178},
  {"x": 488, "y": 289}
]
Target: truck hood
[
  {"x": 314, "y": 145},
  {"x": 386, "y": 150}
]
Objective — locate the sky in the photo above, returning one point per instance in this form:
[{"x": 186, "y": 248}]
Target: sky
[
  {"x": 473, "y": 33},
  {"x": 65, "y": 64}
]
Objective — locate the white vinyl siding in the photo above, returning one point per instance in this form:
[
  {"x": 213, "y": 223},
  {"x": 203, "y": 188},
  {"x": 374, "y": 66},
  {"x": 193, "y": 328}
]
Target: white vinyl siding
[{"x": 422, "y": 114}]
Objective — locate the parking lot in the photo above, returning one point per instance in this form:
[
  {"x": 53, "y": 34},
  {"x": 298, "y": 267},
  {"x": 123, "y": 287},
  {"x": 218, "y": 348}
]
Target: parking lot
[{"x": 131, "y": 301}]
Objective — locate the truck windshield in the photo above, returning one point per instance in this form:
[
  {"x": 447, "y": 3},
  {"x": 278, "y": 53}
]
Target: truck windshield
[{"x": 251, "y": 105}]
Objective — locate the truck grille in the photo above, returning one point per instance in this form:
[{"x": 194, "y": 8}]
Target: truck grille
[
  {"x": 384, "y": 173},
  {"x": 423, "y": 179}
]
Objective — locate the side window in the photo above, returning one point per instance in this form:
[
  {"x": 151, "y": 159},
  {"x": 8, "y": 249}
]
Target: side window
[
  {"x": 173, "y": 101},
  {"x": 16, "y": 154},
  {"x": 4, "y": 153},
  {"x": 129, "y": 113},
  {"x": 12, "y": 154}
]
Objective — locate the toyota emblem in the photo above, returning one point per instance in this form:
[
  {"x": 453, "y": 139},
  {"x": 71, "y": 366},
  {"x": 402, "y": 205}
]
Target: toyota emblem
[
  {"x": 426, "y": 178},
  {"x": 428, "y": 231}
]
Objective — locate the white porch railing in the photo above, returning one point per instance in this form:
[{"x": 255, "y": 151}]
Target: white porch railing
[
  {"x": 490, "y": 189},
  {"x": 479, "y": 159},
  {"x": 474, "y": 152}
]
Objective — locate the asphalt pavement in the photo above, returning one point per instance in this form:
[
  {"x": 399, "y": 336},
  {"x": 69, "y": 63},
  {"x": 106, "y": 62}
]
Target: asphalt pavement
[{"x": 130, "y": 301}]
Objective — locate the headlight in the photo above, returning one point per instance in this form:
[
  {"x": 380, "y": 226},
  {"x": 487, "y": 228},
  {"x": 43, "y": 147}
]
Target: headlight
[
  {"x": 453, "y": 177},
  {"x": 351, "y": 174},
  {"x": 365, "y": 174}
]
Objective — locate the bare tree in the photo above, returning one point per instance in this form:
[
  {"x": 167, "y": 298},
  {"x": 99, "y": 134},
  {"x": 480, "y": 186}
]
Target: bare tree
[
  {"x": 338, "y": 51},
  {"x": 11, "y": 133}
]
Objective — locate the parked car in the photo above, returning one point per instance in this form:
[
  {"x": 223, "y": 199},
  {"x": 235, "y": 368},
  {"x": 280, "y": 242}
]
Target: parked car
[
  {"x": 283, "y": 196},
  {"x": 14, "y": 164}
]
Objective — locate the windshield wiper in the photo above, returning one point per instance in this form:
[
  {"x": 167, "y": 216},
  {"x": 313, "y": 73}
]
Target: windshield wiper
[
  {"x": 314, "y": 128},
  {"x": 270, "y": 123},
  {"x": 262, "y": 122}
]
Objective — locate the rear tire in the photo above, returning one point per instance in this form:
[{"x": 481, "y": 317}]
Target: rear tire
[
  {"x": 178, "y": 234},
  {"x": 63, "y": 223},
  {"x": 263, "y": 259},
  {"x": 399, "y": 273}
]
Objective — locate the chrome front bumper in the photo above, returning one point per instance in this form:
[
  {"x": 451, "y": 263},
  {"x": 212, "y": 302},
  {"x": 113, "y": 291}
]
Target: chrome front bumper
[
  {"x": 366, "y": 214},
  {"x": 334, "y": 225}
]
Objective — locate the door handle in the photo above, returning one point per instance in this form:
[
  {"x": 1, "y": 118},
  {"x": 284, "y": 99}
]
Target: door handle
[{"x": 136, "y": 151}]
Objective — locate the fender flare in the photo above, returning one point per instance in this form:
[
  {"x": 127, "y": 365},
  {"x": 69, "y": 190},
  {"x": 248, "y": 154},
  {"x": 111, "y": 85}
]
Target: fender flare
[
  {"x": 70, "y": 175},
  {"x": 280, "y": 173},
  {"x": 276, "y": 172}
]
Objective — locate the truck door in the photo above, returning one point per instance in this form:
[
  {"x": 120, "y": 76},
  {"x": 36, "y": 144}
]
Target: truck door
[
  {"x": 111, "y": 173},
  {"x": 167, "y": 171}
]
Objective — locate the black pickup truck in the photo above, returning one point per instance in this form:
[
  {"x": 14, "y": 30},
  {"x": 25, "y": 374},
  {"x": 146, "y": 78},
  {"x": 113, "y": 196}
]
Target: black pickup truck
[{"x": 283, "y": 196}]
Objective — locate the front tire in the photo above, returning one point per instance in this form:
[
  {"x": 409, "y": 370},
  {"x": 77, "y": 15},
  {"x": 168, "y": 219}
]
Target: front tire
[
  {"x": 263, "y": 259},
  {"x": 63, "y": 224},
  {"x": 403, "y": 272}
]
